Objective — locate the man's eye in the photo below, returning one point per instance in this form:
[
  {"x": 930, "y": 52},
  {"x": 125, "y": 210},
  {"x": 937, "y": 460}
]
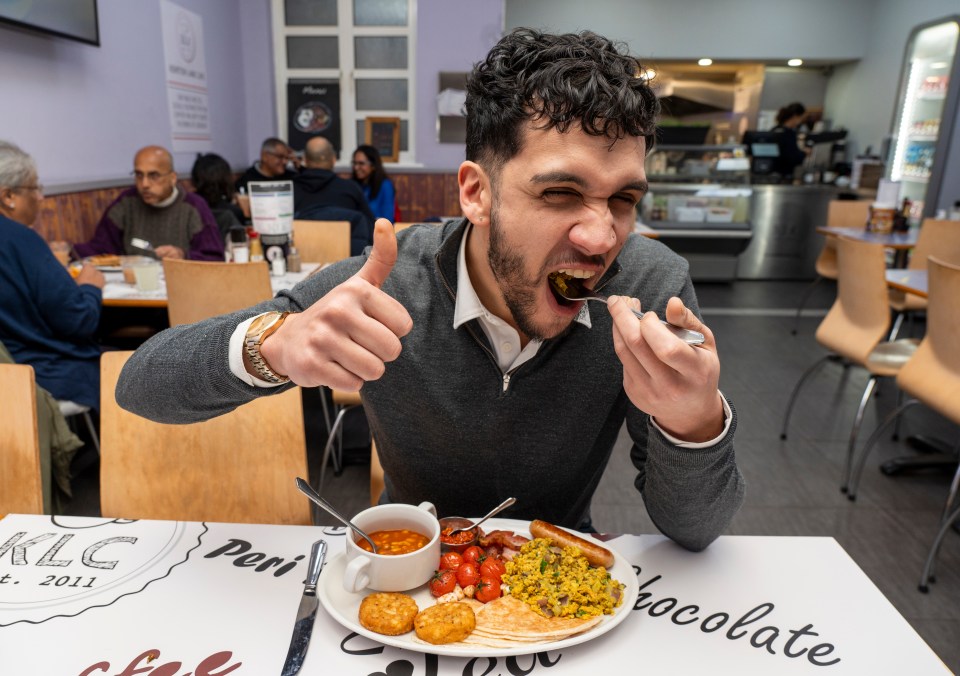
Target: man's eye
[{"x": 557, "y": 195}]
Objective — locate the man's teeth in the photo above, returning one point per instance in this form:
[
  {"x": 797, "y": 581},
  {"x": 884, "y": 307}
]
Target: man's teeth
[{"x": 579, "y": 274}]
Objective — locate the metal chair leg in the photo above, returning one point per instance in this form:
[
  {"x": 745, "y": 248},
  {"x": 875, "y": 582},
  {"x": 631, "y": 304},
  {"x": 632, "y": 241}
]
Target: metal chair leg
[
  {"x": 331, "y": 437},
  {"x": 93, "y": 431},
  {"x": 928, "y": 573},
  {"x": 855, "y": 430},
  {"x": 851, "y": 488},
  {"x": 803, "y": 303},
  {"x": 796, "y": 390},
  {"x": 897, "y": 323}
]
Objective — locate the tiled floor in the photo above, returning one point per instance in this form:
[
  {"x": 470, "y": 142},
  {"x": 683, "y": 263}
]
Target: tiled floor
[{"x": 792, "y": 485}]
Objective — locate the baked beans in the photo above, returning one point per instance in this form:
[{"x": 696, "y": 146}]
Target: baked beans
[{"x": 394, "y": 542}]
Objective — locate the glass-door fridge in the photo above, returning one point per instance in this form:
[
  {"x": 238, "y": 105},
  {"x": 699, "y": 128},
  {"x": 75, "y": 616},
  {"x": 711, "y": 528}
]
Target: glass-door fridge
[{"x": 925, "y": 114}]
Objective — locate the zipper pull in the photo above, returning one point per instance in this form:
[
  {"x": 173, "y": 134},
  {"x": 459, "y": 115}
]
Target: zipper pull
[{"x": 506, "y": 381}]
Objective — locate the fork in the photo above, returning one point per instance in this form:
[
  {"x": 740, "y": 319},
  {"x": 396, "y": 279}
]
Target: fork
[{"x": 571, "y": 289}]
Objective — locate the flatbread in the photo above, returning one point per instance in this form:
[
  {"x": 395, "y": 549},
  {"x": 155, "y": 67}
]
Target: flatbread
[{"x": 509, "y": 617}]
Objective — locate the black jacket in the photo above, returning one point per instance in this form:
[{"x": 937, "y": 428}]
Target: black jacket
[
  {"x": 319, "y": 187},
  {"x": 253, "y": 174}
]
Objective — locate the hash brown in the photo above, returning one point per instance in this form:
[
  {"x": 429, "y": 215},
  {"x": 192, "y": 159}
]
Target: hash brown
[
  {"x": 445, "y": 623},
  {"x": 388, "y": 613}
]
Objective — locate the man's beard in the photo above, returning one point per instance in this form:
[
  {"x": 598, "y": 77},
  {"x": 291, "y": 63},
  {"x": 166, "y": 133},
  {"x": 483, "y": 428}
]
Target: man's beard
[{"x": 519, "y": 293}]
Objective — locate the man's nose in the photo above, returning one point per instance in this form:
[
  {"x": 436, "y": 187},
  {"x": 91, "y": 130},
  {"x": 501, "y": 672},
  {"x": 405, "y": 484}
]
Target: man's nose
[{"x": 596, "y": 232}]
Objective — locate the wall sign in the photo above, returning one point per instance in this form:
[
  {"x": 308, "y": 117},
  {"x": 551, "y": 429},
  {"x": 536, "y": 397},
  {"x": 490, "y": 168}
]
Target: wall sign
[
  {"x": 313, "y": 109},
  {"x": 383, "y": 133},
  {"x": 186, "y": 79}
]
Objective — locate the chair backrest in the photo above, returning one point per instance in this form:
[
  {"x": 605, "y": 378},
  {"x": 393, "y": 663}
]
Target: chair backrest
[
  {"x": 197, "y": 290},
  {"x": 21, "y": 487},
  {"x": 860, "y": 317},
  {"x": 936, "y": 238},
  {"x": 848, "y": 213},
  {"x": 322, "y": 241},
  {"x": 240, "y": 467},
  {"x": 932, "y": 374}
]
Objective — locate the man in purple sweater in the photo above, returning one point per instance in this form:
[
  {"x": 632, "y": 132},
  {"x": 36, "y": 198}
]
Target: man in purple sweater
[{"x": 156, "y": 214}]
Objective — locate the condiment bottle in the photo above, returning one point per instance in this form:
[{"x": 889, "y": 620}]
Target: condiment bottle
[
  {"x": 293, "y": 260},
  {"x": 256, "y": 250}
]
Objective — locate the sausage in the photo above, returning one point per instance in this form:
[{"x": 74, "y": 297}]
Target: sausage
[{"x": 594, "y": 553}]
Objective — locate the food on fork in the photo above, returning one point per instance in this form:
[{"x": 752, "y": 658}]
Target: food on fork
[
  {"x": 388, "y": 613},
  {"x": 596, "y": 554}
]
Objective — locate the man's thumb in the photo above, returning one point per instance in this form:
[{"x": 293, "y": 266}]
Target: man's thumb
[{"x": 383, "y": 254}]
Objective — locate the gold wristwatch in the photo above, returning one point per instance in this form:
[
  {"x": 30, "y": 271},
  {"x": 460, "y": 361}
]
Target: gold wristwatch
[{"x": 259, "y": 329}]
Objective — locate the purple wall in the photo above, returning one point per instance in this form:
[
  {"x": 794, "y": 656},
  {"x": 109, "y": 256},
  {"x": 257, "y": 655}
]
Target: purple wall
[
  {"x": 82, "y": 111},
  {"x": 440, "y": 47}
]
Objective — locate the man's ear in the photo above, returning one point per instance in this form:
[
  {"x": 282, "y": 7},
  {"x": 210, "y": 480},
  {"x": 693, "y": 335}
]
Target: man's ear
[{"x": 475, "y": 195}]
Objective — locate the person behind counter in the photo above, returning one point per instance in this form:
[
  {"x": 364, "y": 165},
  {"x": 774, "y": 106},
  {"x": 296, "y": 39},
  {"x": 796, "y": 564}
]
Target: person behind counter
[
  {"x": 558, "y": 127},
  {"x": 791, "y": 155}
]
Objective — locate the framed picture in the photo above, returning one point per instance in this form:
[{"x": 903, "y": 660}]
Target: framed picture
[{"x": 383, "y": 133}]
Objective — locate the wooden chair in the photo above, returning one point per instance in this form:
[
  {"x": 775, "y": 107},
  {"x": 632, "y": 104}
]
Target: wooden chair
[
  {"x": 239, "y": 467},
  {"x": 322, "y": 241},
  {"x": 936, "y": 238},
  {"x": 855, "y": 327},
  {"x": 376, "y": 474},
  {"x": 840, "y": 214},
  {"x": 931, "y": 378},
  {"x": 21, "y": 487},
  {"x": 197, "y": 290}
]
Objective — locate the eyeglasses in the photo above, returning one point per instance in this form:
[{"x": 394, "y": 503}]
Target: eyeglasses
[
  {"x": 150, "y": 176},
  {"x": 38, "y": 187}
]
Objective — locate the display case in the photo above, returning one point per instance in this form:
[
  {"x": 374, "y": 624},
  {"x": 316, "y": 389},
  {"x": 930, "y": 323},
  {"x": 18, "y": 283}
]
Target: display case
[{"x": 699, "y": 204}]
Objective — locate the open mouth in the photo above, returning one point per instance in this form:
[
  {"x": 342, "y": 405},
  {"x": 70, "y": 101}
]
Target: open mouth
[{"x": 568, "y": 283}]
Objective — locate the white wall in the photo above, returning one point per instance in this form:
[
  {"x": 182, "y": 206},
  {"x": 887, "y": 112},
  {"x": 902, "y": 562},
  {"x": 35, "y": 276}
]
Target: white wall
[{"x": 83, "y": 111}]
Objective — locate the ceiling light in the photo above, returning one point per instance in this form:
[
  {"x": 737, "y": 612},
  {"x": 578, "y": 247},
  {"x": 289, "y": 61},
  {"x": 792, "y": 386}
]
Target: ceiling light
[
  {"x": 795, "y": 62},
  {"x": 704, "y": 62}
]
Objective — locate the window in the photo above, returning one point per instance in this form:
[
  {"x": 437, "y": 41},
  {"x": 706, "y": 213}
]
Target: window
[{"x": 351, "y": 55}]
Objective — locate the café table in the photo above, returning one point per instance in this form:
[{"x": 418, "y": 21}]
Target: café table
[
  {"x": 900, "y": 242},
  {"x": 85, "y": 596},
  {"x": 908, "y": 280},
  {"x": 119, "y": 293}
]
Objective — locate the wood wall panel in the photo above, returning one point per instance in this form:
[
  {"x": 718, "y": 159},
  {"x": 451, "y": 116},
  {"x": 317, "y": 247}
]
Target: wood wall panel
[{"x": 74, "y": 216}]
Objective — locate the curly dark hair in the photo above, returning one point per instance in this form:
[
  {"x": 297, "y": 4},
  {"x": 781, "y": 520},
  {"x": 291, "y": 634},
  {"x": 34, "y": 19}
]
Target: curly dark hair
[
  {"x": 555, "y": 81},
  {"x": 377, "y": 174},
  {"x": 212, "y": 179}
]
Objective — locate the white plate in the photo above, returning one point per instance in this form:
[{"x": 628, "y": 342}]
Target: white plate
[{"x": 344, "y": 606}]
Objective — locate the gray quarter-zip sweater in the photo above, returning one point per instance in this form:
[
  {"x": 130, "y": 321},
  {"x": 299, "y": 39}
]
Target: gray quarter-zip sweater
[{"x": 450, "y": 426}]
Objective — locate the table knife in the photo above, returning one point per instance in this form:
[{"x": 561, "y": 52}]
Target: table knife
[{"x": 306, "y": 613}]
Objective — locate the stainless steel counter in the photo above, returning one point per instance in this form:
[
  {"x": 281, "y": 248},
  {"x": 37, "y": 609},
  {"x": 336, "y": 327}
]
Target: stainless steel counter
[{"x": 785, "y": 243}]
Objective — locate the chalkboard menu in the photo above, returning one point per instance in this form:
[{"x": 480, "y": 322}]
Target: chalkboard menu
[{"x": 383, "y": 133}]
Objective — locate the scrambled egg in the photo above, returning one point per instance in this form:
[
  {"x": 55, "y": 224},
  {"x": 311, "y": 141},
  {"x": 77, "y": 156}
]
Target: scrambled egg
[{"x": 560, "y": 583}]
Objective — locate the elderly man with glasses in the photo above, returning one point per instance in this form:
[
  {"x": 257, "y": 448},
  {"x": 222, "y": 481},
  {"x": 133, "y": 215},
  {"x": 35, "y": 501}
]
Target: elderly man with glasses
[
  {"x": 276, "y": 158},
  {"x": 156, "y": 216}
]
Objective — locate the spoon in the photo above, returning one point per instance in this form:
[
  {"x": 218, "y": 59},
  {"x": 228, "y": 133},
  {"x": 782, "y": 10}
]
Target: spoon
[
  {"x": 572, "y": 288},
  {"x": 307, "y": 490},
  {"x": 496, "y": 510}
]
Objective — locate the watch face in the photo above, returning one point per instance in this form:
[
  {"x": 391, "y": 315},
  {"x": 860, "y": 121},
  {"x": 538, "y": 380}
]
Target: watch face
[{"x": 263, "y": 322}]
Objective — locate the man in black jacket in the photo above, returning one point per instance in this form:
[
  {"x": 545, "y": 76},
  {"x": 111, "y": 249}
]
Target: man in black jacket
[
  {"x": 272, "y": 166},
  {"x": 317, "y": 185}
]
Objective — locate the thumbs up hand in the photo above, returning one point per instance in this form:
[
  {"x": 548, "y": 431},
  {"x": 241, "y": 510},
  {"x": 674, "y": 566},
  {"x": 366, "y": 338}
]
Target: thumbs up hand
[{"x": 346, "y": 337}]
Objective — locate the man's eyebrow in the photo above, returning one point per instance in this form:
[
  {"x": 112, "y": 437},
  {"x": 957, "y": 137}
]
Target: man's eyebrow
[{"x": 566, "y": 177}]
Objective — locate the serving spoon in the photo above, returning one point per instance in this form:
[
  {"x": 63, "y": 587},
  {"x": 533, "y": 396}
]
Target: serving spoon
[
  {"x": 307, "y": 490},
  {"x": 496, "y": 510},
  {"x": 572, "y": 288}
]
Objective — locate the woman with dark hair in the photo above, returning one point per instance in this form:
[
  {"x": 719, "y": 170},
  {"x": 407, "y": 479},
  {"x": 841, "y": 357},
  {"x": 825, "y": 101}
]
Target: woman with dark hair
[
  {"x": 213, "y": 181},
  {"x": 791, "y": 155},
  {"x": 368, "y": 171}
]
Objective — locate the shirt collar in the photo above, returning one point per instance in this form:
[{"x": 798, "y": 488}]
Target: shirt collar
[
  {"x": 170, "y": 200},
  {"x": 468, "y": 305}
]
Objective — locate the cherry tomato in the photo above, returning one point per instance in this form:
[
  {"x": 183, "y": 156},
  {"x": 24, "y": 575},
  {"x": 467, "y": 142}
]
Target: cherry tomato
[
  {"x": 474, "y": 554},
  {"x": 442, "y": 582},
  {"x": 487, "y": 590},
  {"x": 450, "y": 561},
  {"x": 492, "y": 567},
  {"x": 468, "y": 574}
]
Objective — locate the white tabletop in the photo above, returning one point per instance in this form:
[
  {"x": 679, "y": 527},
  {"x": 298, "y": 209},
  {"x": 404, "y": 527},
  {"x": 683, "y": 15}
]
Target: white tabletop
[
  {"x": 78, "y": 592},
  {"x": 118, "y": 290}
]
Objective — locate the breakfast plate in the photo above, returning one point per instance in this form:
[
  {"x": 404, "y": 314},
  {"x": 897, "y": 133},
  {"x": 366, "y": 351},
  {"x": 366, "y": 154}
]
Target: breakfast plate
[
  {"x": 344, "y": 607},
  {"x": 114, "y": 262}
]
